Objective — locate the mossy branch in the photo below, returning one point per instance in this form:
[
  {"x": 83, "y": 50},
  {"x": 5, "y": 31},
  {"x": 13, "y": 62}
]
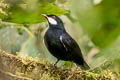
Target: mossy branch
[{"x": 16, "y": 68}]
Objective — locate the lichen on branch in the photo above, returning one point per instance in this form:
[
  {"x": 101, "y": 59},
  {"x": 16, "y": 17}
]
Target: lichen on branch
[{"x": 13, "y": 68}]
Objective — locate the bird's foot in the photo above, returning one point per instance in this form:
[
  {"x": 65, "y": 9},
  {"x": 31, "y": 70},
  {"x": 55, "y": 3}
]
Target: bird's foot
[
  {"x": 78, "y": 68},
  {"x": 53, "y": 67}
]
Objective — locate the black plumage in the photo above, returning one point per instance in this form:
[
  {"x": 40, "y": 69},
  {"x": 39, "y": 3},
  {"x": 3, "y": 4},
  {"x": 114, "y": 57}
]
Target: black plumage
[{"x": 61, "y": 44}]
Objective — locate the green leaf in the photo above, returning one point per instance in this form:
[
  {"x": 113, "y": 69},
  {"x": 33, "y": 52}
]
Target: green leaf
[
  {"x": 101, "y": 22},
  {"x": 108, "y": 54},
  {"x": 27, "y": 14},
  {"x": 51, "y": 1}
]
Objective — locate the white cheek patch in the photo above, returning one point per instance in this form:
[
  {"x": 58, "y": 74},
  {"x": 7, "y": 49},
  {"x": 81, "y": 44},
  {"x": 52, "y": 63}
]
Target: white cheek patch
[{"x": 52, "y": 21}]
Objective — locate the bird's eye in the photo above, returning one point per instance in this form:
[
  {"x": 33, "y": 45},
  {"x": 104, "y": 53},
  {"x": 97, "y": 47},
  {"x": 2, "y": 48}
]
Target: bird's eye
[{"x": 53, "y": 17}]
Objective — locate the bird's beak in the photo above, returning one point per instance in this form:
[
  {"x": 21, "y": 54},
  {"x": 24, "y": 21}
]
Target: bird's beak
[{"x": 44, "y": 15}]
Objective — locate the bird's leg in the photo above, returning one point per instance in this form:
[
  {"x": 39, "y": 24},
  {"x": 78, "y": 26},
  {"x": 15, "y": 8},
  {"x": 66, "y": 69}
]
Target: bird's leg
[
  {"x": 56, "y": 62},
  {"x": 71, "y": 65}
]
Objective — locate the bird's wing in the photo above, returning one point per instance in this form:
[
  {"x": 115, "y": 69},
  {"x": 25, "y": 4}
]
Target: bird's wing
[
  {"x": 73, "y": 50},
  {"x": 64, "y": 45},
  {"x": 70, "y": 45}
]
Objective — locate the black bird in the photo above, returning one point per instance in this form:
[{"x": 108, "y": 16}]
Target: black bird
[{"x": 61, "y": 44}]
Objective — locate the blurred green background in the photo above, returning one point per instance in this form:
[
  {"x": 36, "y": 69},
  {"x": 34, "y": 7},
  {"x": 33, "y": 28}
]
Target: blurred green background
[{"x": 94, "y": 24}]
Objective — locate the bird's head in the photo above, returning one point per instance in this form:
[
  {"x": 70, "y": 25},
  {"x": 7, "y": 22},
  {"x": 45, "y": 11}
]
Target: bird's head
[{"x": 54, "y": 20}]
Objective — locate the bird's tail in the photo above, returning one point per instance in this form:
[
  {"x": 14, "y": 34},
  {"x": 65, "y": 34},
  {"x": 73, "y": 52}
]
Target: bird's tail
[{"x": 85, "y": 66}]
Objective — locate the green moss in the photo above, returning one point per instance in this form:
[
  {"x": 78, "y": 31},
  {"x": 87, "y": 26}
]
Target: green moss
[{"x": 31, "y": 69}]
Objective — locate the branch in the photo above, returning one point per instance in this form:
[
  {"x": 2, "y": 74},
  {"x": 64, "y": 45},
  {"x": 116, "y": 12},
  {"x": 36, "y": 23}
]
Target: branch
[{"x": 16, "y": 68}]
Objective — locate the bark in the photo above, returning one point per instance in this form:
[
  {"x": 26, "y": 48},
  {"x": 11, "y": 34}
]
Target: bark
[{"x": 16, "y": 68}]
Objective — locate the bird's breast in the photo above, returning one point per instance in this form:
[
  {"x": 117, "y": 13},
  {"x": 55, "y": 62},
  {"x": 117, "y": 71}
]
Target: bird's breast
[{"x": 52, "y": 37}]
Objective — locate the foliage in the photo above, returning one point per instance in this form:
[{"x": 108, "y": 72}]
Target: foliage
[
  {"x": 29, "y": 12},
  {"x": 101, "y": 22}
]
